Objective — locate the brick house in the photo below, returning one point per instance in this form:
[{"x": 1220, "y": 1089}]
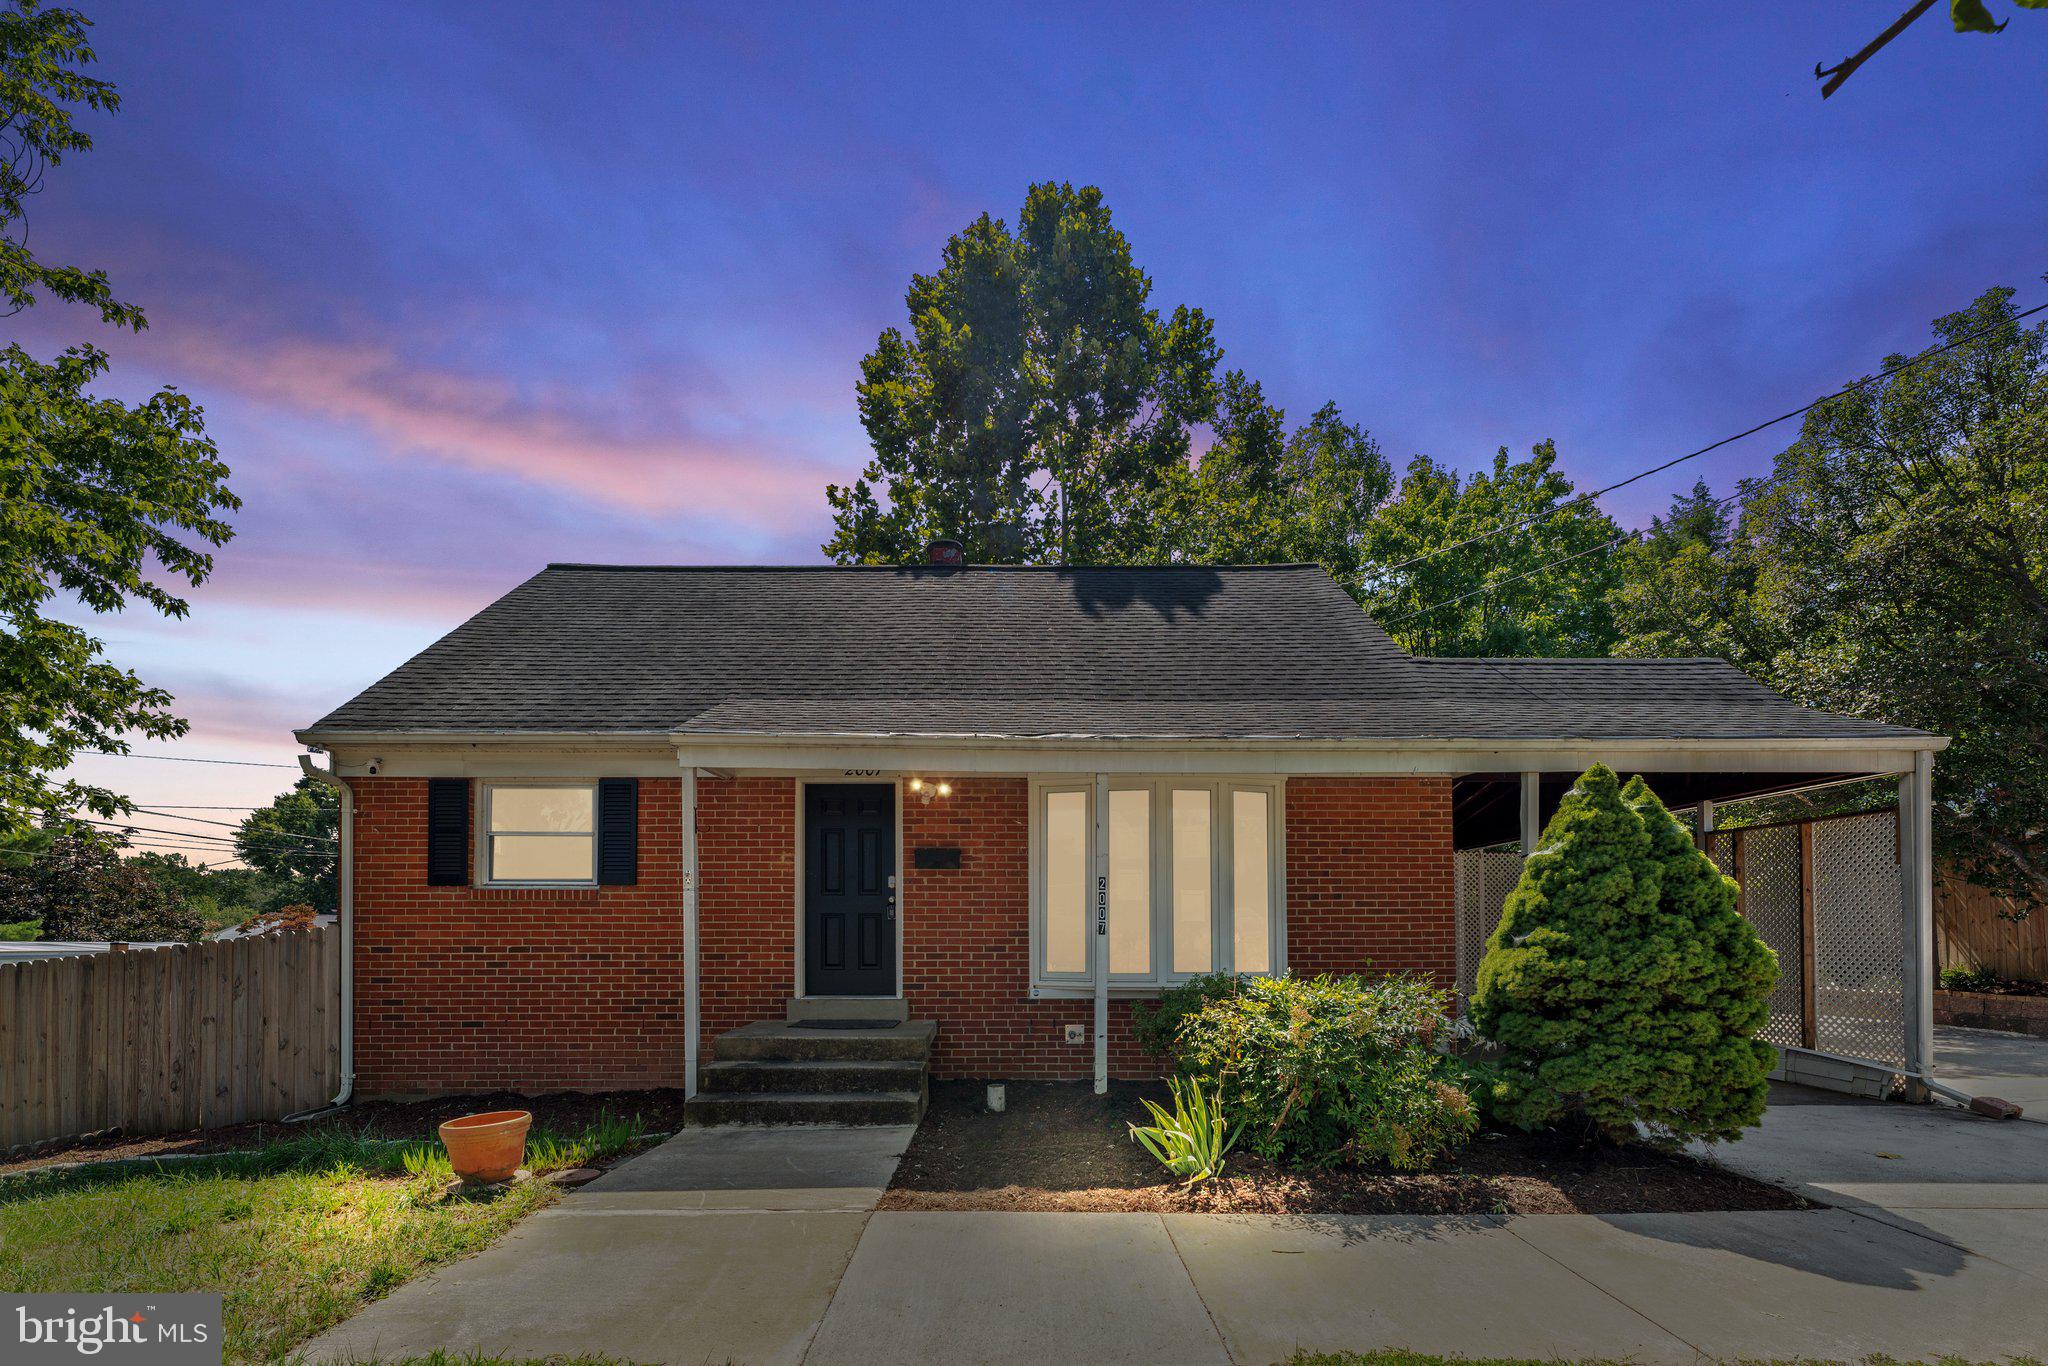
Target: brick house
[{"x": 625, "y": 812}]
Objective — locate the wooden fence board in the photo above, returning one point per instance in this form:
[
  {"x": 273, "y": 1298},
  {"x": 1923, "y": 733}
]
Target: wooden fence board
[
  {"x": 1975, "y": 927},
  {"x": 160, "y": 1040}
]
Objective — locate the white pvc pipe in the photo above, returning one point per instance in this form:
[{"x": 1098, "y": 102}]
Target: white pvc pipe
[{"x": 1532, "y": 812}]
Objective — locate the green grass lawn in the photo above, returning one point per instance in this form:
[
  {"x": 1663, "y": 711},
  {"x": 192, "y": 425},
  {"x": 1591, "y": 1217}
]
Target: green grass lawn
[
  {"x": 295, "y": 1237},
  {"x": 20, "y": 931}
]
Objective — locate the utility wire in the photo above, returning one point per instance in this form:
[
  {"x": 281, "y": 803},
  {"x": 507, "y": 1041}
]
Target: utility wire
[
  {"x": 168, "y": 814},
  {"x": 184, "y": 759},
  {"x": 1588, "y": 496},
  {"x": 199, "y": 837}
]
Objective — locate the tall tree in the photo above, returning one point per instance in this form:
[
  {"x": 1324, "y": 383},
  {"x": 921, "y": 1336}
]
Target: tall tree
[
  {"x": 1038, "y": 403},
  {"x": 104, "y": 501},
  {"x": 1537, "y": 584},
  {"x": 1259, "y": 493},
  {"x": 294, "y": 840},
  {"x": 1895, "y": 566}
]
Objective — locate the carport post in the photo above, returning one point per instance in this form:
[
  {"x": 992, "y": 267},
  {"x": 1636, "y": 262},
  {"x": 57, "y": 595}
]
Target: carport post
[
  {"x": 690, "y": 1004},
  {"x": 1101, "y": 945},
  {"x": 1703, "y": 823},
  {"x": 1532, "y": 812},
  {"x": 1916, "y": 873}
]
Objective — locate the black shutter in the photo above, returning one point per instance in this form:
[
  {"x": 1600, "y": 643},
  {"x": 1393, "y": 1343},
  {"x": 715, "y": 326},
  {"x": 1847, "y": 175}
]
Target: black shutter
[
  {"x": 618, "y": 832},
  {"x": 447, "y": 832}
]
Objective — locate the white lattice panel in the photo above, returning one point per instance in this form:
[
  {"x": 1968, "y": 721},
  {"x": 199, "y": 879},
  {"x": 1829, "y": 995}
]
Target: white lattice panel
[
  {"x": 1859, "y": 990},
  {"x": 1484, "y": 879},
  {"x": 1770, "y": 898}
]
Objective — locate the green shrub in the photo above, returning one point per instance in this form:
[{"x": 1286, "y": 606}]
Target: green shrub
[
  {"x": 1967, "y": 979},
  {"x": 1157, "y": 1026},
  {"x": 1621, "y": 986},
  {"x": 1331, "y": 1069}
]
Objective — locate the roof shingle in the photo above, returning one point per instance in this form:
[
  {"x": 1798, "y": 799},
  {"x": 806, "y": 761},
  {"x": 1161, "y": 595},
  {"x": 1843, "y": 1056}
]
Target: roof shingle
[{"x": 1259, "y": 652}]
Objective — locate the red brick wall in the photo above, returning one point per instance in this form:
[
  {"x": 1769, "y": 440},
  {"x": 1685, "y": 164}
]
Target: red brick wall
[
  {"x": 471, "y": 989},
  {"x": 746, "y": 901},
  {"x": 967, "y": 949},
  {"x": 1369, "y": 876},
  {"x": 465, "y": 989}
]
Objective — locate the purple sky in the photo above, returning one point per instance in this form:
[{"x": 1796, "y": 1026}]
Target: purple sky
[{"x": 465, "y": 289}]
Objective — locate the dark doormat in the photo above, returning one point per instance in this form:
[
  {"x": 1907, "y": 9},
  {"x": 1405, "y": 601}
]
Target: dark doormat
[{"x": 846, "y": 1024}]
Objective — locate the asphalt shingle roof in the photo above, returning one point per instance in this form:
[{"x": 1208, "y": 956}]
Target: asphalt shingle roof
[{"x": 1259, "y": 652}]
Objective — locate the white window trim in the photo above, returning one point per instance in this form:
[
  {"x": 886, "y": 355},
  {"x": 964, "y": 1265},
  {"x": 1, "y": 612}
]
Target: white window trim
[
  {"x": 484, "y": 866},
  {"x": 1223, "y": 944}
]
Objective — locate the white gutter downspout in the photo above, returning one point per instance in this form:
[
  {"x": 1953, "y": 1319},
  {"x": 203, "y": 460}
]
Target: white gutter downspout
[
  {"x": 1101, "y": 934},
  {"x": 345, "y": 912}
]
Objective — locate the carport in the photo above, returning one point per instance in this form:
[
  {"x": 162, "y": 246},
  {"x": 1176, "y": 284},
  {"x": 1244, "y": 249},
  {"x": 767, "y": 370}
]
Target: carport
[{"x": 1845, "y": 901}]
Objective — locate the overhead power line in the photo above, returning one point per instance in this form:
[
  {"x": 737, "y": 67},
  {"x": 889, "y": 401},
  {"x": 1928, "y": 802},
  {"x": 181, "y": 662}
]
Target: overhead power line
[
  {"x": 202, "y": 838},
  {"x": 168, "y": 814},
  {"x": 187, "y": 759},
  {"x": 1899, "y": 369}
]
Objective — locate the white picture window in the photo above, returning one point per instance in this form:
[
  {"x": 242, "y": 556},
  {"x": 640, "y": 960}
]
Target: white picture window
[
  {"x": 540, "y": 833},
  {"x": 1194, "y": 880}
]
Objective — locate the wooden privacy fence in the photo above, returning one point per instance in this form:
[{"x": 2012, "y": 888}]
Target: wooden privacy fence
[
  {"x": 1975, "y": 927},
  {"x": 164, "y": 1039}
]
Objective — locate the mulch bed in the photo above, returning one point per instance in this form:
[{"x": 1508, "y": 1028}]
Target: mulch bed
[
  {"x": 565, "y": 1113},
  {"x": 1059, "y": 1146}
]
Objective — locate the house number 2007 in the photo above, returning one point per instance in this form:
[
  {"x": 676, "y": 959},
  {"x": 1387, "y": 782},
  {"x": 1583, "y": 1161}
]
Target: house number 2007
[{"x": 860, "y": 772}]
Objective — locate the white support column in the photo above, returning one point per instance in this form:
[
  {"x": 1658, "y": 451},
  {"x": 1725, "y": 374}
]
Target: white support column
[
  {"x": 1100, "y": 942},
  {"x": 692, "y": 1011},
  {"x": 1916, "y": 872},
  {"x": 1532, "y": 812},
  {"x": 1703, "y": 823}
]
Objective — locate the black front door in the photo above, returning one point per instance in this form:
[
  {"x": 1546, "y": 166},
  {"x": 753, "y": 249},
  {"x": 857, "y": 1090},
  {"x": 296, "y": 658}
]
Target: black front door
[{"x": 849, "y": 889}]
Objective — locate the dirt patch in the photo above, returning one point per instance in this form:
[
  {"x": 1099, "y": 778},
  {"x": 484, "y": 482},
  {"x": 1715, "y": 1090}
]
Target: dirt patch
[
  {"x": 1059, "y": 1146},
  {"x": 566, "y": 1114}
]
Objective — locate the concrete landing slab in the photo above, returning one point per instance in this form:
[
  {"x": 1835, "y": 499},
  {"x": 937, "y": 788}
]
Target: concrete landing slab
[
  {"x": 677, "y": 1286},
  {"x": 1819, "y": 1283},
  {"x": 1463, "y": 1286},
  {"x": 1016, "y": 1288},
  {"x": 1891, "y": 1155},
  {"x": 756, "y": 1167},
  {"x": 1990, "y": 1062}
]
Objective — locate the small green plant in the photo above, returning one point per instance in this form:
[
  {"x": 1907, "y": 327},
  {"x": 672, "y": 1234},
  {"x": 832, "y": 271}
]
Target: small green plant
[
  {"x": 1190, "y": 1140},
  {"x": 426, "y": 1163},
  {"x": 1967, "y": 979}
]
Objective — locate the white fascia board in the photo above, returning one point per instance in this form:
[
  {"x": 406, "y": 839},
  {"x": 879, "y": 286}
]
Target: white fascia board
[
  {"x": 531, "y": 754},
  {"x": 524, "y": 755},
  {"x": 886, "y": 754}
]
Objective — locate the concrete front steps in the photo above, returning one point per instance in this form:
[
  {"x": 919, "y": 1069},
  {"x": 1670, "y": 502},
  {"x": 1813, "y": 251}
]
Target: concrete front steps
[{"x": 776, "y": 1072}]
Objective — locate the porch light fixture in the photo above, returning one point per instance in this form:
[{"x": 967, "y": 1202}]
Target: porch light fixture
[{"x": 927, "y": 791}]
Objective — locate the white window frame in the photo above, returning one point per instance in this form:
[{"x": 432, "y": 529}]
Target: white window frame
[
  {"x": 487, "y": 872},
  {"x": 1222, "y": 906}
]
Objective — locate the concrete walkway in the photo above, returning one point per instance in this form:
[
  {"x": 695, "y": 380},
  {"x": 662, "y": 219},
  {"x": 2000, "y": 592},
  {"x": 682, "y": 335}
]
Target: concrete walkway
[
  {"x": 758, "y": 1246},
  {"x": 722, "y": 1244}
]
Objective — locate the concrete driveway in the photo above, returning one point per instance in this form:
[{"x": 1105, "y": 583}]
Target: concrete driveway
[{"x": 759, "y": 1246}]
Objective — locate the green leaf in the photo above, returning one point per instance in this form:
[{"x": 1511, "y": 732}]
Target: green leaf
[{"x": 1971, "y": 16}]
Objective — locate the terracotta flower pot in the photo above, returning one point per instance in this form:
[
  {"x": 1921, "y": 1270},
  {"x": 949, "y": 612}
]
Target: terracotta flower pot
[{"x": 487, "y": 1147}]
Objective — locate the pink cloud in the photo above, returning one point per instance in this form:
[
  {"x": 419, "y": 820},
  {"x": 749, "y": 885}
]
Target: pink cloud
[{"x": 487, "y": 425}]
